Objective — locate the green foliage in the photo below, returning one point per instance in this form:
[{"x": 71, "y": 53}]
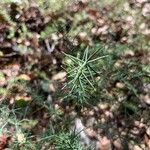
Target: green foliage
[
  {"x": 93, "y": 70},
  {"x": 81, "y": 74},
  {"x": 9, "y": 119},
  {"x": 5, "y": 17},
  {"x": 67, "y": 141}
]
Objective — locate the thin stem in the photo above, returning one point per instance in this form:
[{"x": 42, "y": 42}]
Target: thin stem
[
  {"x": 94, "y": 54},
  {"x": 75, "y": 59},
  {"x": 88, "y": 81},
  {"x": 97, "y": 58}
]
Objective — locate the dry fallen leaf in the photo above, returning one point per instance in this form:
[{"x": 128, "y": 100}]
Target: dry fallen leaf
[
  {"x": 3, "y": 141},
  {"x": 93, "y": 14}
]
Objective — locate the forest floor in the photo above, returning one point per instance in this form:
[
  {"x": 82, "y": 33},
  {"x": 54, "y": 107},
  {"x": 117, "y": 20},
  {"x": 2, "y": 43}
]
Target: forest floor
[{"x": 41, "y": 42}]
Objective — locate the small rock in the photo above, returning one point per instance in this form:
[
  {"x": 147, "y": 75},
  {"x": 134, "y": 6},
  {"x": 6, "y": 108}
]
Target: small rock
[
  {"x": 59, "y": 76},
  {"x": 49, "y": 99},
  {"x": 143, "y": 146},
  {"x": 91, "y": 133},
  {"x": 103, "y": 106},
  {"x": 100, "y": 22},
  {"x": 73, "y": 114},
  {"x": 83, "y": 35},
  {"x": 146, "y": 10},
  {"x": 118, "y": 145},
  {"x": 120, "y": 85},
  {"x": 135, "y": 131},
  {"x": 27, "y": 43},
  {"x": 84, "y": 1},
  {"x": 21, "y": 138},
  {"x": 129, "y": 53},
  {"x": 94, "y": 31},
  {"x": 118, "y": 63},
  {"x": 136, "y": 148},
  {"x": 80, "y": 129},
  {"x": 145, "y": 98},
  {"x": 96, "y": 109},
  {"x": 103, "y": 120},
  {"x": 91, "y": 113},
  {"x": 90, "y": 122},
  {"x": 103, "y": 30},
  {"x": 141, "y": 1},
  {"x": 114, "y": 107},
  {"x": 142, "y": 125},
  {"x": 103, "y": 144},
  {"x": 51, "y": 87},
  {"x": 137, "y": 123},
  {"x": 2, "y": 80},
  {"x": 54, "y": 37},
  {"x": 123, "y": 133},
  {"x": 146, "y": 87},
  {"x": 147, "y": 141},
  {"x": 148, "y": 131}
]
